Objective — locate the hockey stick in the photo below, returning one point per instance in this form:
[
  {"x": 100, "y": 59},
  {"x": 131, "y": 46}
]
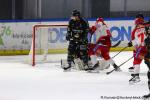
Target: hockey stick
[
  {"x": 119, "y": 66},
  {"x": 120, "y": 51}
]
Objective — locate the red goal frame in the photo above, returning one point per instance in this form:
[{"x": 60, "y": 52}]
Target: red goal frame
[{"x": 33, "y": 38}]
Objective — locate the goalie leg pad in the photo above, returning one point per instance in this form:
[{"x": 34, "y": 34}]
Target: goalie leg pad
[
  {"x": 103, "y": 64},
  {"x": 79, "y": 64},
  {"x": 93, "y": 59}
]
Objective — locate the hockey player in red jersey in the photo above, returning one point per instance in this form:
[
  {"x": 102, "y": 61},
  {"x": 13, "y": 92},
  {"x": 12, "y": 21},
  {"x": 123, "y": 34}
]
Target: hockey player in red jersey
[
  {"x": 137, "y": 40},
  {"x": 102, "y": 45}
]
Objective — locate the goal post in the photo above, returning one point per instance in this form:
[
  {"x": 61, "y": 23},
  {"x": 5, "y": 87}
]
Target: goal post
[{"x": 46, "y": 38}]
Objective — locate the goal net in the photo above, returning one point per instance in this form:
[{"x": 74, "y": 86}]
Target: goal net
[{"x": 47, "y": 40}]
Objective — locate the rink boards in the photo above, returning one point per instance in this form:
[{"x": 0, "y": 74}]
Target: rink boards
[{"x": 16, "y": 35}]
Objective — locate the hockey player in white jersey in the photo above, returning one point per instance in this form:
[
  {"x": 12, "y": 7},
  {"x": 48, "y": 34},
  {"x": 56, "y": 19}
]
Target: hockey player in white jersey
[
  {"x": 101, "y": 47},
  {"x": 137, "y": 40}
]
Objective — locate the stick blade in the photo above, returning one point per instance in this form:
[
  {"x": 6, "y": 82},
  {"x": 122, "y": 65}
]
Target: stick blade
[{"x": 108, "y": 73}]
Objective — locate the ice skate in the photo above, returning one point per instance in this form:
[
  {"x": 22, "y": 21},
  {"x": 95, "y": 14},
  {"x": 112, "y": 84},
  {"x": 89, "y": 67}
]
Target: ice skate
[
  {"x": 94, "y": 67},
  {"x": 146, "y": 97},
  {"x": 134, "y": 79},
  {"x": 79, "y": 64},
  {"x": 68, "y": 68},
  {"x": 117, "y": 69},
  {"x": 131, "y": 69}
]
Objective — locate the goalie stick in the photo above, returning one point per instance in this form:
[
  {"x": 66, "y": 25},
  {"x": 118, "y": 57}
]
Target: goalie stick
[{"x": 119, "y": 66}]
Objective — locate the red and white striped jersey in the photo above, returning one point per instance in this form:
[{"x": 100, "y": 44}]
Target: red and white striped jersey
[
  {"x": 100, "y": 29},
  {"x": 138, "y": 36}
]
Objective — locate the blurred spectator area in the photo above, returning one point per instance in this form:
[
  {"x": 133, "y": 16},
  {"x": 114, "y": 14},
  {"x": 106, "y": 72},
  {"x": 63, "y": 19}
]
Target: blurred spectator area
[{"x": 45, "y": 9}]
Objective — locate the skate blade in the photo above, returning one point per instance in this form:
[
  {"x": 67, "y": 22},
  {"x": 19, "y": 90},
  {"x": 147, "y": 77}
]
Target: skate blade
[
  {"x": 68, "y": 70},
  {"x": 93, "y": 71},
  {"x": 132, "y": 83},
  {"x": 131, "y": 71},
  {"x": 118, "y": 70}
]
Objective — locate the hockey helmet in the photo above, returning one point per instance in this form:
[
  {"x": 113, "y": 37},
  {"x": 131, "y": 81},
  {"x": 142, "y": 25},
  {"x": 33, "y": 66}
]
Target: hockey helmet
[
  {"x": 100, "y": 19},
  {"x": 75, "y": 13},
  {"x": 140, "y": 15},
  {"x": 139, "y": 21},
  {"x": 100, "y": 22}
]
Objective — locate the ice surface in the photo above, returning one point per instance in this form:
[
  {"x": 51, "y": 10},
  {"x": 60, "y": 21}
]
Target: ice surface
[{"x": 20, "y": 81}]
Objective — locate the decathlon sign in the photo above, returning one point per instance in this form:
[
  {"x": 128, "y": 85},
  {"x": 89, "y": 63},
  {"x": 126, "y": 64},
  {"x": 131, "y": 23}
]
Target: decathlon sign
[{"x": 121, "y": 31}]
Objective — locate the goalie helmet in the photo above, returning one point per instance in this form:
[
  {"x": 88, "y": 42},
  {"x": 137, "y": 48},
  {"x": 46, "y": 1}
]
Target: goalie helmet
[{"x": 75, "y": 13}]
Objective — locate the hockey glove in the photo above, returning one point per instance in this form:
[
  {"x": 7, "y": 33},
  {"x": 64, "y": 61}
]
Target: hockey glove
[
  {"x": 130, "y": 44},
  {"x": 92, "y": 29}
]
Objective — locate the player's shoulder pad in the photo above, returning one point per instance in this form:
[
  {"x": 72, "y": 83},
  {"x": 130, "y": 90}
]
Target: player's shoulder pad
[
  {"x": 70, "y": 20},
  {"x": 84, "y": 19},
  {"x": 146, "y": 22}
]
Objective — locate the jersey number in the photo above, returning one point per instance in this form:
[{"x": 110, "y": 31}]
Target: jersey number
[{"x": 141, "y": 37}]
